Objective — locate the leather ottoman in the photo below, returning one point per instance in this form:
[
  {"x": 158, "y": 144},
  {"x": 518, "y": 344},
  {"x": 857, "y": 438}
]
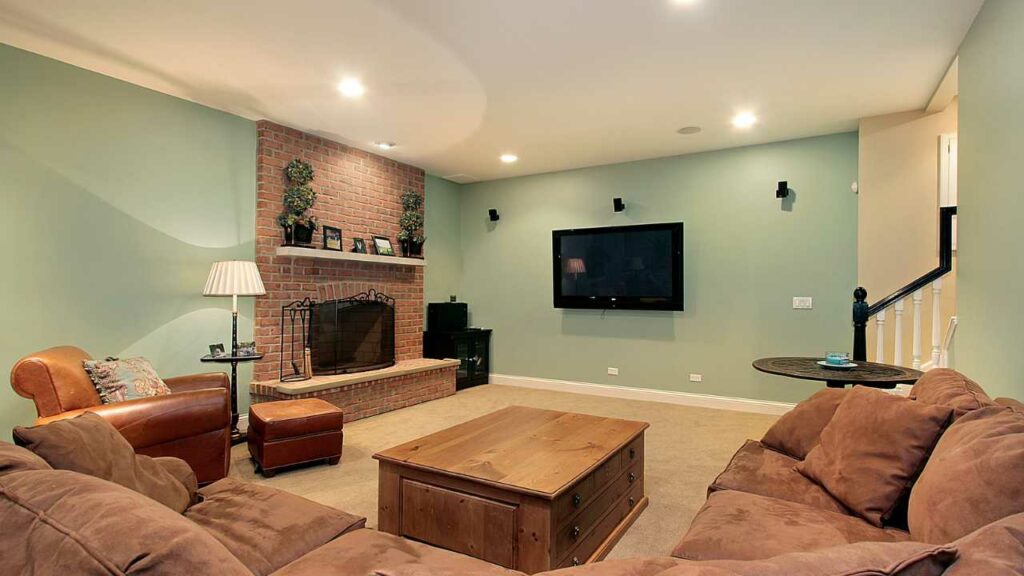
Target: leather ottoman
[{"x": 290, "y": 432}]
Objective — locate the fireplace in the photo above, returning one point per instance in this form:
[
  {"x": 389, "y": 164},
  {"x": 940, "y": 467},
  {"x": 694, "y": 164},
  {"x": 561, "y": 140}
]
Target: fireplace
[{"x": 352, "y": 334}]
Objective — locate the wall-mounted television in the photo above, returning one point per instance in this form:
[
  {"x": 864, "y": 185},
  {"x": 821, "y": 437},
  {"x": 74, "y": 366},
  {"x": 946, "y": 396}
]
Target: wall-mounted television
[{"x": 619, "y": 267}]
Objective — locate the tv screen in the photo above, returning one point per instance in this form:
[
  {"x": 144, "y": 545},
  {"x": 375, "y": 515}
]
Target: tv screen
[{"x": 624, "y": 267}]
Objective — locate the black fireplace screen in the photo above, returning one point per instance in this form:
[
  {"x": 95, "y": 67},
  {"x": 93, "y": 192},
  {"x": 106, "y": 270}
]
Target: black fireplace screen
[{"x": 353, "y": 335}]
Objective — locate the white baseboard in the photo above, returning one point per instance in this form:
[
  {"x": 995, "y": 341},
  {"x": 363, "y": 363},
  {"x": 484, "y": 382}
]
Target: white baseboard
[
  {"x": 243, "y": 422},
  {"x": 646, "y": 394}
]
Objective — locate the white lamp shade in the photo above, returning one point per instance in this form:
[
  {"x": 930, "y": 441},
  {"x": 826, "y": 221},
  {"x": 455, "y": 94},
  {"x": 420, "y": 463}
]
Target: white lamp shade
[
  {"x": 234, "y": 278},
  {"x": 576, "y": 266}
]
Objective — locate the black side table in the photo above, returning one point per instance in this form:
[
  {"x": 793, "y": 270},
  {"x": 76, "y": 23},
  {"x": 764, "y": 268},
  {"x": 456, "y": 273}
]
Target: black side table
[
  {"x": 870, "y": 374},
  {"x": 236, "y": 436}
]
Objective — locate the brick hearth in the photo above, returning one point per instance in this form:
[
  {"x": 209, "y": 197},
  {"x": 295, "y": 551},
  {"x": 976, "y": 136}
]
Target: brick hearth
[{"x": 358, "y": 192}]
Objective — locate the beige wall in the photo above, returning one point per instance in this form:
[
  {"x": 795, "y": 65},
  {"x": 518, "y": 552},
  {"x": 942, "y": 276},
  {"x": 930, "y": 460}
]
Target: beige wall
[{"x": 897, "y": 236}]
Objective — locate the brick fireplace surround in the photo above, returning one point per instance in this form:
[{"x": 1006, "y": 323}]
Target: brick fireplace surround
[{"x": 358, "y": 192}]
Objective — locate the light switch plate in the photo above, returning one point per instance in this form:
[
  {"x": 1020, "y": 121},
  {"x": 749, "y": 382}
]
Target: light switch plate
[
  {"x": 696, "y": 377},
  {"x": 803, "y": 303},
  {"x": 613, "y": 371}
]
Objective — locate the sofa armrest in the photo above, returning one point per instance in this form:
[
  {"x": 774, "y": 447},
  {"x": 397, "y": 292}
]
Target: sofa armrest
[
  {"x": 198, "y": 382},
  {"x": 157, "y": 420}
]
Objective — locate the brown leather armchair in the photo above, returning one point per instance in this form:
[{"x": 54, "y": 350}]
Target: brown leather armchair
[{"x": 193, "y": 423}]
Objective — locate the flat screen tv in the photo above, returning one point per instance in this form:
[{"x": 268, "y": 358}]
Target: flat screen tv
[{"x": 620, "y": 267}]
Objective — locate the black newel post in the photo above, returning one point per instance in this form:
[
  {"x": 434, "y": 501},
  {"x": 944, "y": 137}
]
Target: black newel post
[{"x": 860, "y": 324}]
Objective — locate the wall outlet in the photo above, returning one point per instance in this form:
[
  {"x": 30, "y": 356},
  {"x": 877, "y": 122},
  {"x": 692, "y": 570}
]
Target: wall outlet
[
  {"x": 696, "y": 377},
  {"x": 613, "y": 371},
  {"x": 803, "y": 303}
]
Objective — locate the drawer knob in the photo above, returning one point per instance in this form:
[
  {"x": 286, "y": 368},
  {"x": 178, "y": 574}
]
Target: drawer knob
[
  {"x": 577, "y": 500},
  {"x": 632, "y": 477},
  {"x": 575, "y": 561},
  {"x": 632, "y": 453},
  {"x": 632, "y": 501},
  {"x": 575, "y": 532}
]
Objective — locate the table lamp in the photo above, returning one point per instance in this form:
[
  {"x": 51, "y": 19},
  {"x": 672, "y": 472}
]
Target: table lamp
[{"x": 234, "y": 278}]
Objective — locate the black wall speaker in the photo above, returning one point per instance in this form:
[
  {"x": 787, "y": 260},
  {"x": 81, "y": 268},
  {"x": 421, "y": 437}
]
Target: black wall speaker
[
  {"x": 493, "y": 213},
  {"x": 783, "y": 190},
  {"x": 618, "y": 205}
]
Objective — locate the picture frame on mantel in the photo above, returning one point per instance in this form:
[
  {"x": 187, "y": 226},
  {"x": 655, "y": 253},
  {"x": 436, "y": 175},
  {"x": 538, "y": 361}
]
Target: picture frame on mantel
[
  {"x": 332, "y": 238},
  {"x": 359, "y": 246},
  {"x": 382, "y": 244}
]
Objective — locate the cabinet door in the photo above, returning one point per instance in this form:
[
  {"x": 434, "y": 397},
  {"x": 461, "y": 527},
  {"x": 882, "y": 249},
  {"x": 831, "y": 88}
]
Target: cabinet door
[
  {"x": 464, "y": 353},
  {"x": 481, "y": 355}
]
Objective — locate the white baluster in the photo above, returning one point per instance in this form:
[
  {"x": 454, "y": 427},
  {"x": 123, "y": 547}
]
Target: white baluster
[
  {"x": 880, "y": 337},
  {"x": 917, "y": 299},
  {"x": 936, "y": 322},
  {"x": 897, "y": 354}
]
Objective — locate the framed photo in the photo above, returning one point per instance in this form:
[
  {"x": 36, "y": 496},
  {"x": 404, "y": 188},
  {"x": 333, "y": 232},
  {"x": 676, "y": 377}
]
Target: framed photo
[
  {"x": 217, "y": 350},
  {"x": 382, "y": 245},
  {"x": 246, "y": 348},
  {"x": 332, "y": 238},
  {"x": 359, "y": 245}
]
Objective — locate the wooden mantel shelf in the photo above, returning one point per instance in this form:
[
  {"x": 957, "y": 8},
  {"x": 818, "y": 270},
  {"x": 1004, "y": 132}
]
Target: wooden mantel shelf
[{"x": 319, "y": 254}]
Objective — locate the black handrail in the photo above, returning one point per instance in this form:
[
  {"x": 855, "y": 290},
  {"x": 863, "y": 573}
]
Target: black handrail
[{"x": 862, "y": 311}]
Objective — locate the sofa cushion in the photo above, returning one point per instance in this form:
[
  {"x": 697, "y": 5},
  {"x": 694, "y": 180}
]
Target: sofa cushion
[
  {"x": 17, "y": 459},
  {"x": 759, "y": 470},
  {"x": 62, "y": 522},
  {"x": 974, "y": 477},
  {"x": 183, "y": 473},
  {"x": 266, "y": 528},
  {"x": 371, "y": 552},
  {"x": 872, "y": 450},
  {"x": 796, "y": 432},
  {"x": 947, "y": 387},
  {"x": 859, "y": 559},
  {"x": 741, "y": 526},
  {"x": 994, "y": 549},
  {"x": 90, "y": 445}
]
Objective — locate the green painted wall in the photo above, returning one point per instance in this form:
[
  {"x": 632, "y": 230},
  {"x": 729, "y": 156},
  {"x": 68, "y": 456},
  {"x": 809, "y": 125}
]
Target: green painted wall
[
  {"x": 116, "y": 200},
  {"x": 746, "y": 255},
  {"x": 991, "y": 203},
  {"x": 443, "y": 229}
]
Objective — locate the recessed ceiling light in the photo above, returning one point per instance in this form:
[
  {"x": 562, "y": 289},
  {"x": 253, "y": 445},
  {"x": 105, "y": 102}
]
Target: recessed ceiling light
[
  {"x": 744, "y": 120},
  {"x": 686, "y": 130},
  {"x": 684, "y": 2},
  {"x": 351, "y": 88},
  {"x": 384, "y": 145},
  {"x": 509, "y": 158}
]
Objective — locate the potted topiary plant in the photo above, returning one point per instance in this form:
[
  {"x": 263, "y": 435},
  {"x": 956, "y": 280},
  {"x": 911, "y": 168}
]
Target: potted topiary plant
[
  {"x": 411, "y": 223},
  {"x": 298, "y": 199}
]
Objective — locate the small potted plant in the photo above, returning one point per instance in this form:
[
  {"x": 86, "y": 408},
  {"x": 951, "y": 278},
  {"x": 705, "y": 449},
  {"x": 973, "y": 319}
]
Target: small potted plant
[
  {"x": 298, "y": 225},
  {"x": 411, "y": 223}
]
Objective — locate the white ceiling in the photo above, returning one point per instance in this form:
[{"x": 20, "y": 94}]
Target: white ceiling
[{"x": 561, "y": 83}]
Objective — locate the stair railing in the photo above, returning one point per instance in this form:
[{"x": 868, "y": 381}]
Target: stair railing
[{"x": 862, "y": 311}]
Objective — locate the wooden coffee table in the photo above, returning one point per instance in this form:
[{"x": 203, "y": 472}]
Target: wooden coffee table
[{"x": 525, "y": 488}]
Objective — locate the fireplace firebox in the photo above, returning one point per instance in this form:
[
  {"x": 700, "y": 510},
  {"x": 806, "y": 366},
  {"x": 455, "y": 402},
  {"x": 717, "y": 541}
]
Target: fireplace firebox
[{"x": 354, "y": 334}]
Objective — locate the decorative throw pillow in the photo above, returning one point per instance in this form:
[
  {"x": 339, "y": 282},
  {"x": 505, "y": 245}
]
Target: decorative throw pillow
[
  {"x": 974, "y": 477},
  {"x": 950, "y": 388},
  {"x": 798, "y": 430},
  {"x": 872, "y": 450},
  {"x": 88, "y": 444},
  {"x": 119, "y": 380}
]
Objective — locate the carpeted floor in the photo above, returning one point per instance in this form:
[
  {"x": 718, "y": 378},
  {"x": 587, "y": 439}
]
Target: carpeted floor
[{"x": 685, "y": 449}]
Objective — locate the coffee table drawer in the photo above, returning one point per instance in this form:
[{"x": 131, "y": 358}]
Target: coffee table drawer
[
  {"x": 570, "y": 534},
  {"x": 589, "y": 543},
  {"x": 472, "y": 525}
]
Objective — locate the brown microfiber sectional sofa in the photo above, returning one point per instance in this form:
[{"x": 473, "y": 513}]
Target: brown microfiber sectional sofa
[{"x": 965, "y": 515}]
